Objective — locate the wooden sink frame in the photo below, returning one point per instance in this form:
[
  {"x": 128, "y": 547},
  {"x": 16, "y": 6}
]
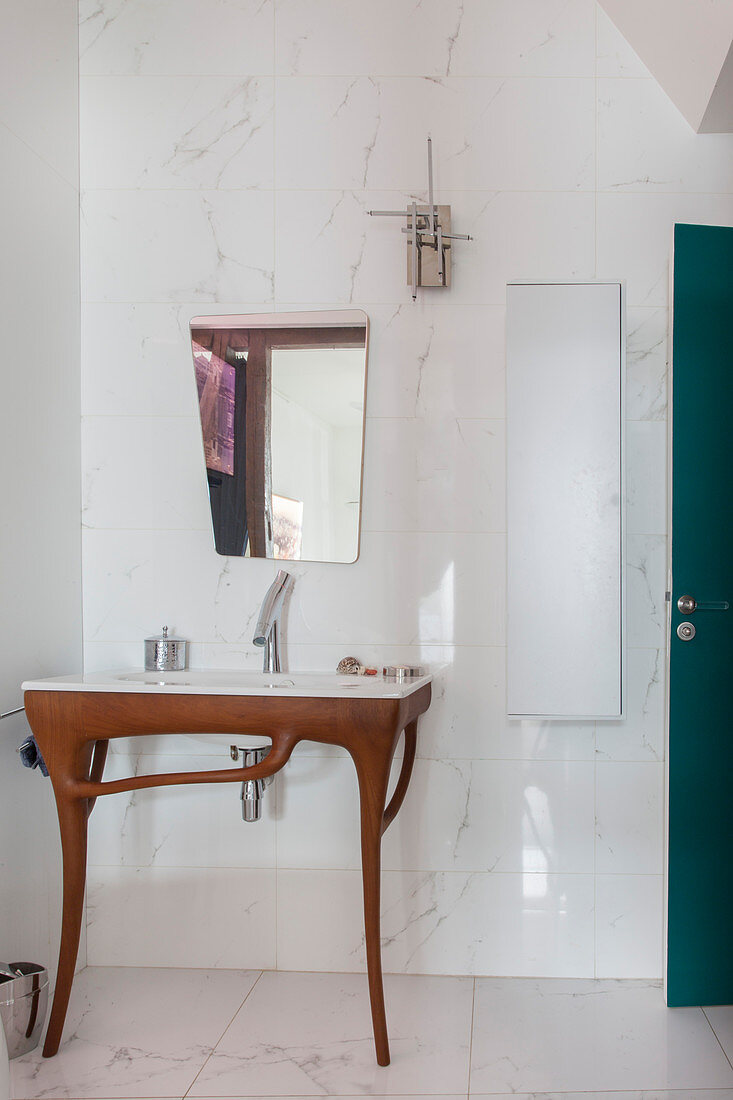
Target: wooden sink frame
[{"x": 73, "y": 730}]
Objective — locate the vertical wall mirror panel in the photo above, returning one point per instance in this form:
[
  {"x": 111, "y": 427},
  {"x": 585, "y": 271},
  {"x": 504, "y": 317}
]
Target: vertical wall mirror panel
[{"x": 564, "y": 500}]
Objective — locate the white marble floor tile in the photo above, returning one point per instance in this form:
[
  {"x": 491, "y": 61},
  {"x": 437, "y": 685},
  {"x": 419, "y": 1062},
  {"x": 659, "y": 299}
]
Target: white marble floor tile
[
  {"x": 570, "y": 1036},
  {"x": 134, "y": 1033},
  {"x": 653, "y": 1094},
  {"x": 310, "y": 1034},
  {"x": 721, "y": 1020}
]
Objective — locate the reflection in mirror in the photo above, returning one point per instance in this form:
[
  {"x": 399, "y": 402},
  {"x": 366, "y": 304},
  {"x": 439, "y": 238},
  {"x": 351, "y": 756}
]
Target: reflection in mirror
[{"x": 281, "y": 398}]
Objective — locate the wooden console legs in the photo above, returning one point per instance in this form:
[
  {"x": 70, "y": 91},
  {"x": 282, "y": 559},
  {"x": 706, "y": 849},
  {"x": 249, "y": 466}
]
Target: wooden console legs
[
  {"x": 73, "y": 814},
  {"x": 373, "y": 773},
  {"x": 76, "y": 765}
]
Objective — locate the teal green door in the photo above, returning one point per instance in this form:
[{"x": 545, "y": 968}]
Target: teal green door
[{"x": 700, "y": 900}]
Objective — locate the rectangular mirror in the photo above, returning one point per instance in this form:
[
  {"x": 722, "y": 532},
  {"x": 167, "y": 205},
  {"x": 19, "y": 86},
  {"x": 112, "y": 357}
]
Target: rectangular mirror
[
  {"x": 564, "y": 500},
  {"x": 281, "y": 399}
]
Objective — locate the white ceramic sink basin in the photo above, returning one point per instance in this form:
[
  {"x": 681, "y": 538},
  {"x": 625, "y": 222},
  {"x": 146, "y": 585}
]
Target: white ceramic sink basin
[
  {"x": 314, "y": 685},
  {"x": 214, "y": 681}
]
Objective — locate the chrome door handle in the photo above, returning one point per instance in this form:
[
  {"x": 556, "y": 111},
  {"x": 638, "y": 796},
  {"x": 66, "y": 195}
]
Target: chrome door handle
[{"x": 688, "y": 604}]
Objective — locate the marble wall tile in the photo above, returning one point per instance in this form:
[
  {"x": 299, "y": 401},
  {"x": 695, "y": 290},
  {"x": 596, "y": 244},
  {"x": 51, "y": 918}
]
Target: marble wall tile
[
  {"x": 162, "y": 916},
  {"x": 459, "y": 815},
  {"x": 629, "y": 926},
  {"x": 176, "y": 36},
  {"x": 503, "y": 816},
  {"x": 181, "y": 218},
  {"x": 525, "y": 38},
  {"x": 647, "y": 353},
  {"x": 444, "y": 923},
  {"x": 144, "y": 472},
  {"x": 356, "y": 259},
  {"x": 646, "y": 477},
  {"x": 467, "y": 717},
  {"x": 426, "y": 356},
  {"x": 640, "y": 735},
  {"x": 634, "y": 237},
  {"x": 438, "y": 39},
  {"x": 137, "y": 356},
  {"x": 646, "y": 144},
  {"x": 646, "y": 583},
  {"x": 404, "y": 589},
  {"x": 614, "y": 55},
  {"x": 434, "y": 475},
  {"x": 629, "y": 818},
  {"x": 163, "y": 246},
  {"x": 156, "y": 132},
  {"x": 366, "y": 132},
  {"x": 178, "y": 826}
]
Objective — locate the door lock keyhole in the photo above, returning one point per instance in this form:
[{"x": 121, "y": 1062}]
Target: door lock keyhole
[{"x": 686, "y": 631}]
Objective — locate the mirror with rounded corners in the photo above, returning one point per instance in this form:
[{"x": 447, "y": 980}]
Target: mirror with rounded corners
[{"x": 281, "y": 400}]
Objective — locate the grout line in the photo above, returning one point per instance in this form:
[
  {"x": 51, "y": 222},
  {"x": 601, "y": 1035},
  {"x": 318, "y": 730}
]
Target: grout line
[
  {"x": 364, "y": 191},
  {"x": 470, "y": 1040},
  {"x": 229, "y": 1024},
  {"x": 725, "y": 1053},
  {"x": 595, "y": 145},
  {"x": 355, "y": 870}
]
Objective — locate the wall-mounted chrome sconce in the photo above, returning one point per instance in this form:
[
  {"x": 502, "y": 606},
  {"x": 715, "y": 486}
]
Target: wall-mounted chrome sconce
[{"x": 428, "y": 238}]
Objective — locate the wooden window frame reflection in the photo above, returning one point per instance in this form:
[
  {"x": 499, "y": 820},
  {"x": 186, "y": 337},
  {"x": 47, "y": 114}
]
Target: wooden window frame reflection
[{"x": 241, "y": 503}]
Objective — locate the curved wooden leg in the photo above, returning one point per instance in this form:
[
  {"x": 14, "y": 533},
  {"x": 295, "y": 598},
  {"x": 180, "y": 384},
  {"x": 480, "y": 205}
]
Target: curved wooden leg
[
  {"x": 73, "y": 825},
  {"x": 96, "y": 771},
  {"x": 403, "y": 782},
  {"x": 371, "y": 843},
  {"x": 373, "y": 772}
]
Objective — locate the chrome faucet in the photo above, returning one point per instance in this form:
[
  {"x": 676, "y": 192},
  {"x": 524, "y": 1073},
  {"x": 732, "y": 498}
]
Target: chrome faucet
[{"x": 268, "y": 624}]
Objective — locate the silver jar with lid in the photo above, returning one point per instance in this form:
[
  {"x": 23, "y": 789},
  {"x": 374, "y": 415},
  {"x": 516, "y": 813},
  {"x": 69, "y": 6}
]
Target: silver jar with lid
[
  {"x": 402, "y": 673},
  {"x": 165, "y": 654}
]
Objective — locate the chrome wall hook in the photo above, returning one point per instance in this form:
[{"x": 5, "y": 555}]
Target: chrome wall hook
[{"x": 428, "y": 237}]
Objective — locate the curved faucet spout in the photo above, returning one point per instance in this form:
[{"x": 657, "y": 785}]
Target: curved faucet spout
[{"x": 267, "y": 629}]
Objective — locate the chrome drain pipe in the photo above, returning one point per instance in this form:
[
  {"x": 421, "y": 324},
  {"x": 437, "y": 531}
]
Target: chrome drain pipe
[{"x": 253, "y": 790}]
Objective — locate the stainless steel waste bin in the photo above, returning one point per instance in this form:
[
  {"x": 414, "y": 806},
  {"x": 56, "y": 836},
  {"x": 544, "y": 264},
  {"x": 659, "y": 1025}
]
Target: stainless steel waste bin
[{"x": 23, "y": 1005}]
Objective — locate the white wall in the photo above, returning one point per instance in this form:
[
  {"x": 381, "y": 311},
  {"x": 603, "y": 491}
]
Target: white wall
[
  {"x": 688, "y": 58},
  {"x": 300, "y": 459},
  {"x": 522, "y": 848},
  {"x": 40, "y": 544}
]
